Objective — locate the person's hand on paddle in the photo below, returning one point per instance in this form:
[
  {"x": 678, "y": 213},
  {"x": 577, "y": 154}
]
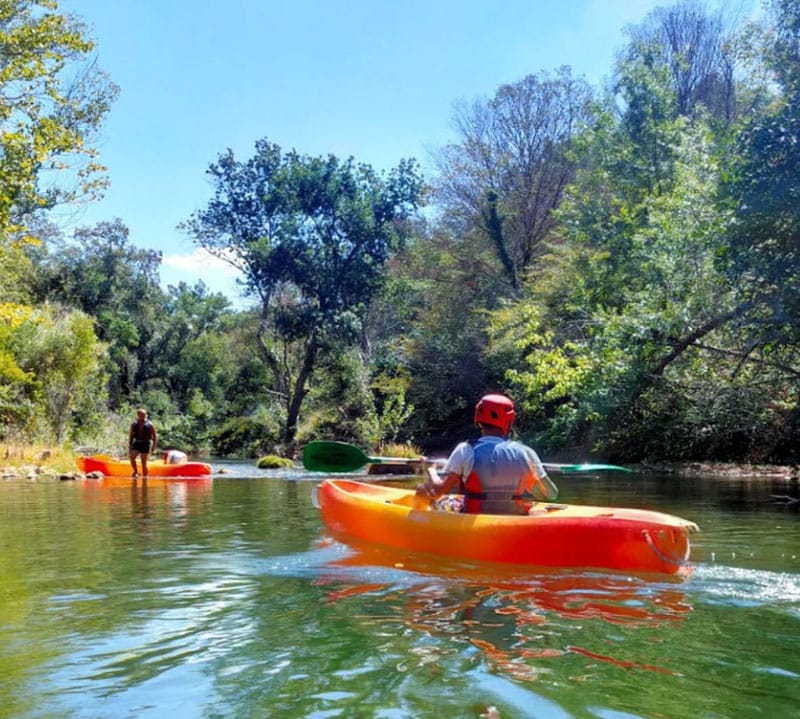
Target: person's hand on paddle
[
  {"x": 427, "y": 489},
  {"x": 436, "y": 484}
]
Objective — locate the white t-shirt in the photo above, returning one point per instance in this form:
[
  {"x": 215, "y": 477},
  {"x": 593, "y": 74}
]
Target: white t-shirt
[{"x": 503, "y": 467}]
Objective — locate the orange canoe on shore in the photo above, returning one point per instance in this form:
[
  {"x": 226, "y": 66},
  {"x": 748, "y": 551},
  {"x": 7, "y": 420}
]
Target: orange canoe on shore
[
  {"x": 113, "y": 467},
  {"x": 552, "y": 534}
]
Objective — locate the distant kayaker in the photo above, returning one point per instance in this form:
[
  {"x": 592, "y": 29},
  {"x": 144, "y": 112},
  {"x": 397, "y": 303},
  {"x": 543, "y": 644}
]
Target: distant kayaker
[
  {"x": 174, "y": 456},
  {"x": 496, "y": 475},
  {"x": 142, "y": 440}
]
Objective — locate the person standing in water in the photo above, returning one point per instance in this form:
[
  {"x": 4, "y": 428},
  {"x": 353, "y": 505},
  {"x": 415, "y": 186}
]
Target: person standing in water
[{"x": 142, "y": 440}]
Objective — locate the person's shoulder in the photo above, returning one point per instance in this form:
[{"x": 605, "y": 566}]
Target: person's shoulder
[
  {"x": 465, "y": 446},
  {"x": 520, "y": 446}
]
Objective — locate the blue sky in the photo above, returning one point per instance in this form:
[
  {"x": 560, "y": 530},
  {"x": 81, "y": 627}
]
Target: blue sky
[{"x": 371, "y": 79}]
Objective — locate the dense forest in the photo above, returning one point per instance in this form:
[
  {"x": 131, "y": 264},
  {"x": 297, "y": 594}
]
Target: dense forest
[{"x": 624, "y": 261}]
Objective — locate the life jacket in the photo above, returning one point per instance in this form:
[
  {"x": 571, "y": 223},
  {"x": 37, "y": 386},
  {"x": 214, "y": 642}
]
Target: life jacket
[
  {"x": 496, "y": 482},
  {"x": 143, "y": 431}
]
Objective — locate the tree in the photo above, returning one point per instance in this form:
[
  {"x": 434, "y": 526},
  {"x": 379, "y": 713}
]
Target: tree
[
  {"x": 763, "y": 186},
  {"x": 501, "y": 181},
  {"x": 63, "y": 364},
  {"x": 665, "y": 323},
  {"x": 428, "y": 332},
  {"x": 615, "y": 322},
  {"x": 311, "y": 235},
  {"x": 53, "y": 98},
  {"x": 101, "y": 273},
  {"x": 191, "y": 352},
  {"x": 13, "y": 378},
  {"x": 762, "y": 191},
  {"x": 696, "y": 51}
]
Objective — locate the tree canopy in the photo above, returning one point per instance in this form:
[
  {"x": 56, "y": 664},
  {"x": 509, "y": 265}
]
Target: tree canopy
[
  {"x": 312, "y": 236},
  {"x": 53, "y": 98},
  {"x": 622, "y": 260}
]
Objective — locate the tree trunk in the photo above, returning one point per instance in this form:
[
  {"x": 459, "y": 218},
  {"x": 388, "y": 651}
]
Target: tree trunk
[{"x": 295, "y": 401}]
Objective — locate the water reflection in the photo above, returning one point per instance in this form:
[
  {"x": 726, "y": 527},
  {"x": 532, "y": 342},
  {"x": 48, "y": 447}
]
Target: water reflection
[
  {"x": 513, "y": 620},
  {"x": 175, "y": 496}
]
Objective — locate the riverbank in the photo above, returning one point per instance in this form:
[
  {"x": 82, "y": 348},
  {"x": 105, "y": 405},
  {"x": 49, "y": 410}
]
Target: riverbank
[
  {"x": 36, "y": 462},
  {"x": 720, "y": 469},
  {"x": 43, "y": 464}
]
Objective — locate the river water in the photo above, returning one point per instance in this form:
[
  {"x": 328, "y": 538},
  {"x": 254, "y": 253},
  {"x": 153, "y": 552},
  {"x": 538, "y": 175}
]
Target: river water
[{"x": 225, "y": 598}]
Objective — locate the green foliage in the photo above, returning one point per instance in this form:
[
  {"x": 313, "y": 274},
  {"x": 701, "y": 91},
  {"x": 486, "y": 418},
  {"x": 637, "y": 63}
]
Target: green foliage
[
  {"x": 63, "y": 362},
  {"x": 439, "y": 291},
  {"x": 499, "y": 183},
  {"x": 631, "y": 289},
  {"x": 341, "y": 404},
  {"x": 247, "y": 437},
  {"x": 52, "y": 100},
  {"x": 272, "y": 461},
  {"x": 393, "y": 410},
  {"x": 101, "y": 273},
  {"x": 15, "y": 273},
  {"x": 628, "y": 270},
  {"x": 762, "y": 191},
  {"x": 311, "y": 236}
]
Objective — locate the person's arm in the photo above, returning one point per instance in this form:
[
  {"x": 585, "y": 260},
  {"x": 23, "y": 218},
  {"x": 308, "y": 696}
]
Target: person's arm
[
  {"x": 130, "y": 437},
  {"x": 437, "y": 484},
  {"x": 539, "y": 484},
  {"x": 459, "y": 464},
  {"x": 155, "y": 438}
]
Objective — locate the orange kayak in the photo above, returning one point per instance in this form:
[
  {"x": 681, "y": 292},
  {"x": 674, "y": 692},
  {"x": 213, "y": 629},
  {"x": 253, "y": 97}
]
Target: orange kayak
[
  {"x": 554, "y": 535},
  {"x": 112, "y": 467}
]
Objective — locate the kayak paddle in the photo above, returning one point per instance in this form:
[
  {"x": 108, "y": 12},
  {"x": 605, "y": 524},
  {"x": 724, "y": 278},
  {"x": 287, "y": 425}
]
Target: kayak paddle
[
  {"x": 327, "y": 456},
  {"x": 578, "y": 468}
]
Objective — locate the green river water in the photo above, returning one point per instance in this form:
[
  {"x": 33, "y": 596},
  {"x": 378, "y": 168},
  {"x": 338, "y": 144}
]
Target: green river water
[{"x": 225, "y": 598}]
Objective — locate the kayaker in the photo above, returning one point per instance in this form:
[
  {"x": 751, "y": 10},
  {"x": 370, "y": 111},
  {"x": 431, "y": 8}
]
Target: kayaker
[
  {"x": 495, "y": 474},
  {"x": 174, "y": 456},
  {"x": 142, "y": 439}
]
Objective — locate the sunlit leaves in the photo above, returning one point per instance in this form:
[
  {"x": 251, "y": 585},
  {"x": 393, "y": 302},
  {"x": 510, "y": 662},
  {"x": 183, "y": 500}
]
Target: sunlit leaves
[
  {"x": 63, "y": 365},
  {"x": 52, "y": 100}
]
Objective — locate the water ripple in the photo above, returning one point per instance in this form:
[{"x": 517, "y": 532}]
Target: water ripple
[{"x": 746, "y": 587}]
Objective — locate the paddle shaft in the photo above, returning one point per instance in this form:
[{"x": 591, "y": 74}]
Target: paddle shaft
[{"x": 329, "y": 456}]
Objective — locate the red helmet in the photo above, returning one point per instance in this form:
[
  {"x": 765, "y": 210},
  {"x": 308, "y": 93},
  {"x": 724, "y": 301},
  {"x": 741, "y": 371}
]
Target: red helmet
[{"x": 495, "y": 410}]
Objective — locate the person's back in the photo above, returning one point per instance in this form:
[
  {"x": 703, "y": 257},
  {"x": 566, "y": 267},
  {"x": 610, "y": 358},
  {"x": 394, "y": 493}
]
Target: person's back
[
  {"x": 497, "y": 476},
  {"x": 174, "y": 456},
  {"x": 500, "y": 473}
]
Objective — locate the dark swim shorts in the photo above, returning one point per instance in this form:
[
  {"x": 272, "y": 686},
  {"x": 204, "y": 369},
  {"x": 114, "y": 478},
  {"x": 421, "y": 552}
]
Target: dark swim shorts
[{"x": 141, "y": 445}]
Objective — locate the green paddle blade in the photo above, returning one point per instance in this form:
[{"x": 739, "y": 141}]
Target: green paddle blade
[
  {"x": 585, "y": 468},
  {"x": 322, "y": 456},
  {"x": 327, "y": 456}
]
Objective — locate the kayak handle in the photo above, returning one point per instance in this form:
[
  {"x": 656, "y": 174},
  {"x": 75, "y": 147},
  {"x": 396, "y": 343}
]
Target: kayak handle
[
  {"x": 315, "y": 496},
  {"x": 663, "y": 557}
]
